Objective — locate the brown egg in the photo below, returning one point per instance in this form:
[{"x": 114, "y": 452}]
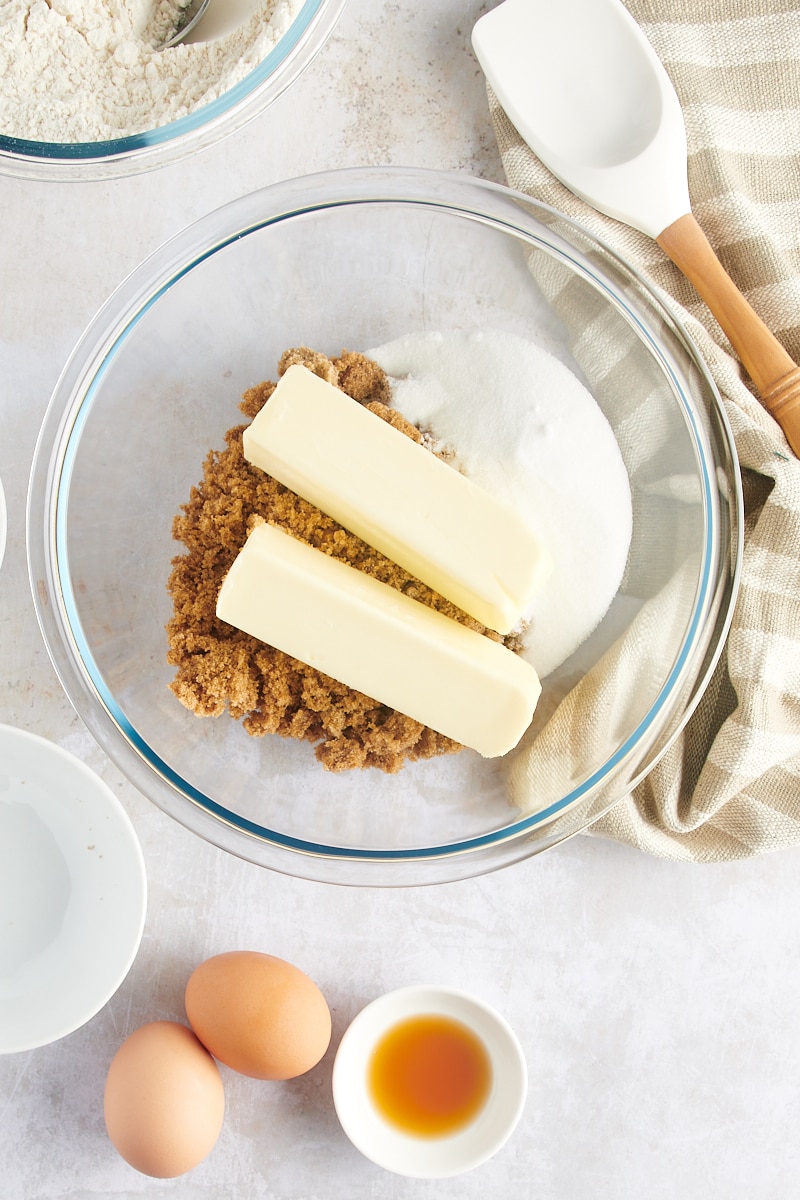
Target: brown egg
[
  {"x": 164, "y": 1100},
  {"x": 258, "y": 1014}
]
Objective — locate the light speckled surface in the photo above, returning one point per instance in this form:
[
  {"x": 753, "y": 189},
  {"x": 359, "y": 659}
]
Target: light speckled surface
[{"x": 656, "y": 1002}]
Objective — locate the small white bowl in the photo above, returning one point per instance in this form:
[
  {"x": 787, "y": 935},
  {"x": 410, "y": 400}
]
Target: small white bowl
[
  {"x": 73, "y": 892},
  {"x": 427, "y": 1157}
]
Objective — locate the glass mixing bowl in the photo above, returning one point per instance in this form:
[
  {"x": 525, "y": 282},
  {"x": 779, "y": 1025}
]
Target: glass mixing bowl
[
  {"x": 354, "y": 259},
  {"x": 178, "y": 139}
]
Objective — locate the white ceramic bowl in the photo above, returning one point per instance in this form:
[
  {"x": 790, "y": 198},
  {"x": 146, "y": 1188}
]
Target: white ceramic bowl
[
  {"x": 417, "y": 1156},
  {"x": 72, "y": 892}
]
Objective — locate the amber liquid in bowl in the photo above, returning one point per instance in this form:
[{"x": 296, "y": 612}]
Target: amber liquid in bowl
[{"x": 430, "y": 1075}]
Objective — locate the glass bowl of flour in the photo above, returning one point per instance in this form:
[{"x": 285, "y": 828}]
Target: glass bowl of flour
[
  {"x": 522, "y": 351},
  {"x": 88, "y": 90}
]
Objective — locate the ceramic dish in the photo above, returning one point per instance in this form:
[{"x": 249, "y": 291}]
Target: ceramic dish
[
  {"x": 428, "y": 1156},
  {"x": 356, "y": 259},
  {"x": 72, "y": 892}
]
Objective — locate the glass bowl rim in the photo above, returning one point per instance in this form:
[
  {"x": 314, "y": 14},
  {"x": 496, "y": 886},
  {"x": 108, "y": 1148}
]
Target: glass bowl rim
[
  {"x": 291, "y": 54},
  {"x": 60, "y": 435}
]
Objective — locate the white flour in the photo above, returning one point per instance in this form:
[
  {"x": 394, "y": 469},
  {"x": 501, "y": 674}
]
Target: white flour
[
  {"x": 529, "y": 432},
  {"x": 89, "y": 70}
]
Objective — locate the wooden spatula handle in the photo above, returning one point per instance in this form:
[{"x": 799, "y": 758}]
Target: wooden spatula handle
[{"x": 772, "y": 370}]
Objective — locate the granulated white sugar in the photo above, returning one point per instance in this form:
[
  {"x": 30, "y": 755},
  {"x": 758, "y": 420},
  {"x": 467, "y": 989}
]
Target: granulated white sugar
[
  {"x": 91, "y": 70},
  {"x": 525, "y": 428}
]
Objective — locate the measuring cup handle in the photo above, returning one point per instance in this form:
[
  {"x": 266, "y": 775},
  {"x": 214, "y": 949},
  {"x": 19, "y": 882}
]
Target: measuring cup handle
[{"x": 773, "y": 371}]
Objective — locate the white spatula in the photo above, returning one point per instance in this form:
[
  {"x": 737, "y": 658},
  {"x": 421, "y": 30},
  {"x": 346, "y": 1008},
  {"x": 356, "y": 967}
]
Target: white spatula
[{"x": 586, "y": 91}]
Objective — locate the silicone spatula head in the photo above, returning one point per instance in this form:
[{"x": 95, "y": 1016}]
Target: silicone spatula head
[{"x": 587, "y": 92}]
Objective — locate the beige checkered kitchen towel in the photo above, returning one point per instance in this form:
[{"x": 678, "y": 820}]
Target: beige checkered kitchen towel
[{"x": 729, "y": 786}]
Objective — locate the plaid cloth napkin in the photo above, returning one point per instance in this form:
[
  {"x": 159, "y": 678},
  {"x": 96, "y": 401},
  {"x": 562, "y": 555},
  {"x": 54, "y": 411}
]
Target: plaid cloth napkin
[{"x": 729, "y": 786}]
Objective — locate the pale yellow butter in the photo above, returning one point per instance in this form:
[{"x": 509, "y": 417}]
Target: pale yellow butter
[
  {"x": 379, "y": 641},
  {"x": 398, "y": 497}
]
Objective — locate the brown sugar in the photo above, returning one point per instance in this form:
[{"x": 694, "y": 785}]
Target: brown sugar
[{"x": 220, "y": 668}]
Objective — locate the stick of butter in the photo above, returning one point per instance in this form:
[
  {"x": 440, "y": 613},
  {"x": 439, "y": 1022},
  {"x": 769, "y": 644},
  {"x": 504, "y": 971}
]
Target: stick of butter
[
  {"x": 398, "y": 497},
  {"x": 379, "y": 641}
]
